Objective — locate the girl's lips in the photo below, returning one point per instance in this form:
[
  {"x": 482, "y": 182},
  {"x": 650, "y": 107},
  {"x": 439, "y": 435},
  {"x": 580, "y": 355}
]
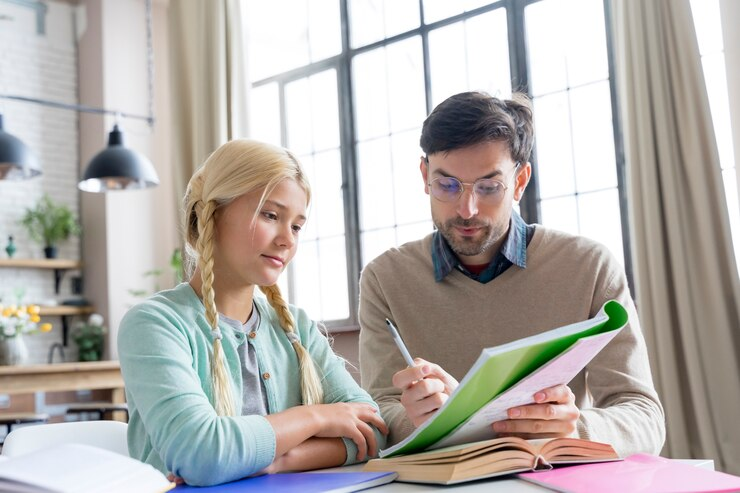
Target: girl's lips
[{"x": 277, "y": 261}]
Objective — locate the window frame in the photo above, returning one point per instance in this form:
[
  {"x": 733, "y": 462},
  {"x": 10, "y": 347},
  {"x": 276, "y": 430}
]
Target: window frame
[{"x": 519, "y": 69}]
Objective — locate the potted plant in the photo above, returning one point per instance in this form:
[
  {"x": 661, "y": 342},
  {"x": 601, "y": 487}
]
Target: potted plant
[
  {"x": 89, "y": 337},
  {"x": 49, "y": 223}
]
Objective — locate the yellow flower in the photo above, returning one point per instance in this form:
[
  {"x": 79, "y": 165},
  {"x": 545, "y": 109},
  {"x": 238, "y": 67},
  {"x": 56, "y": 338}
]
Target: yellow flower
[
  {"x": 7, "y": 312},
  {"x": 35, "y": 319},
  {"x": 33, "y": 309},
  {"x": 45, "y": 327}
]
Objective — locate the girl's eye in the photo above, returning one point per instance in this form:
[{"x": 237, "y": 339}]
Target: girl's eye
[
  {"x": 270, "y": 215},
  {"x": 297, "y": 228}
]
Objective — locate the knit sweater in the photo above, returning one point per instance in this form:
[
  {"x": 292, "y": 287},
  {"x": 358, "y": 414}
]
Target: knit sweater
[
  {"x": 567, "y": 279},
  {"x": 165, "y": 345}
]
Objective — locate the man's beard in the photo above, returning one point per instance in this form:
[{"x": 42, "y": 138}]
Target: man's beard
[{"x": 469, "y": 246}]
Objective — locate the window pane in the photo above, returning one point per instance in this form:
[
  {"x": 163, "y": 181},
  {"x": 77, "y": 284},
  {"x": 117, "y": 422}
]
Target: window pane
[
  {"x": 375, "y": 184},
  {"x": 411, "y": 232},
  {"x": 593, "y": 137},
  {"x": 470, "y": 55},
  {"x": 555, "y": 171},
  {"x": 435, "y": 10},
  {"x": 488, "y": 53},
  {"x": 561, "y": 214},
  {"x": 264, "y": 114},
  {"x": 715, "y": 77},
  {"x": 374, "y": 20},
  {"x": 449, "y": 74},
  {"x": 304, "y": 276},
  {"x": 406, "y": 99},
  {"x": 324, "y": 29},
  {"x": 328, "y": 202},
  {"x": 600, "y": 220},
  {"x": 706, "y": 14},
  {"x": 411, "y": 202},
  {"x": 733, "y": 207},
  {"x": 298, "y": 116},
  {"x": 333, "y": 276},
  {"x": 376, "y": 242},
  {"x": 567, "y": 44},
  {"x": 324, "y": 110},
  {"x": 370, "y": 94},
  {"x": 310, "y": 230},
  {"x": 276, "y": 42}
]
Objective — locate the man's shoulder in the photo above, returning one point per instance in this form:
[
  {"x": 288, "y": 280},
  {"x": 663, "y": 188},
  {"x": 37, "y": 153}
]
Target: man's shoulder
[{"x": 547, "y": 241}]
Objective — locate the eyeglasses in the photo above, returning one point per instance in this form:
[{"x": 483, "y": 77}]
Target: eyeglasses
[{"x": 486, "y": 190}]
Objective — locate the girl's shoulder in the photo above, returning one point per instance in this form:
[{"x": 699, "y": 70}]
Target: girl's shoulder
[
  {"x": 178, "y": 306},
  {"x": 304, "y": 323}
]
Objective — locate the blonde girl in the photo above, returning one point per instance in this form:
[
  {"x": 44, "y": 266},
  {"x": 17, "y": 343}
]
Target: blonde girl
[{"x": 223, "y": 383}]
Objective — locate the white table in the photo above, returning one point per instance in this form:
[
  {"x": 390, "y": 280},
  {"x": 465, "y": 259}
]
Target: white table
[{"x": 500, "y": 485}]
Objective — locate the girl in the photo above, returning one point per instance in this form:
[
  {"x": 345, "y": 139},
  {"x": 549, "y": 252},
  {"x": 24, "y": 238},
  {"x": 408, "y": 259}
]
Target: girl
[{"x": 222, "y": 383}]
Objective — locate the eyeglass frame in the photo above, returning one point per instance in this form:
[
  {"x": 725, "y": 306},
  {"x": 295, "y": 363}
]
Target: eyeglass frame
[{"x": 463, "y": 183}]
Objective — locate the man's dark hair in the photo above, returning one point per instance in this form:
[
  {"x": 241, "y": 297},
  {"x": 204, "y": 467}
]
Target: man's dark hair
[{"x": 470, "y": 118}]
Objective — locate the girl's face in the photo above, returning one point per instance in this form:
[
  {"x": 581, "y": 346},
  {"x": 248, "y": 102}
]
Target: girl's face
[{"x": 252, "y": 247}]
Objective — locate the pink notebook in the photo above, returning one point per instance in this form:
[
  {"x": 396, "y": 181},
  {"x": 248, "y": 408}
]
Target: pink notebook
[{"x": 637, "y": 473}]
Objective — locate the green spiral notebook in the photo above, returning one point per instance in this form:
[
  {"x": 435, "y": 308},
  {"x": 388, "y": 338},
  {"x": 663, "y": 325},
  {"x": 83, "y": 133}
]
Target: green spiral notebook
[{"x": 509, "y": 375}]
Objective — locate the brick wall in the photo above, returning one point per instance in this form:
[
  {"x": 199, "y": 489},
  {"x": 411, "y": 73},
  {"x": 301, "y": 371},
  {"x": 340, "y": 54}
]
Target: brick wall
[{"x": 45, "y": 67}]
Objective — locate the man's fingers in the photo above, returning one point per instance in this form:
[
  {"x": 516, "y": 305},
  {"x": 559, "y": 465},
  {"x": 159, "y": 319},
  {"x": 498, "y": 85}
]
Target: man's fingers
[
  {"x": 547, "y": 411},
  {"x": 559, "y": 393},
  {"x": 405, "y": 378}
]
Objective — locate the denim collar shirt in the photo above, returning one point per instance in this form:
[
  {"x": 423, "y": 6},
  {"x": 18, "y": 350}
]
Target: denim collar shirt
[{"x": 513, "y": 252}]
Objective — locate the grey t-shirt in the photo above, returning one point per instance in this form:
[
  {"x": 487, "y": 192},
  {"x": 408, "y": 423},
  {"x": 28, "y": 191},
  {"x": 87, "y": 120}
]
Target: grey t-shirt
[{"x": 254, "y": 397}]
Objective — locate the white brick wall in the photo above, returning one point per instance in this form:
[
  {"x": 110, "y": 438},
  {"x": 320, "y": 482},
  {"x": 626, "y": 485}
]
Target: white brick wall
[{"x": 44, "y": 67}]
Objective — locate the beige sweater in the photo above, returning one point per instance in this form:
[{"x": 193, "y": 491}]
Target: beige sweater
[{"x": 567, "y": 279}]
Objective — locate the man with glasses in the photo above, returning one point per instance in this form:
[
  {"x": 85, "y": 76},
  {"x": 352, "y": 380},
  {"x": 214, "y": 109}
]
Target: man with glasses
[{"x": 485, "y": 278}]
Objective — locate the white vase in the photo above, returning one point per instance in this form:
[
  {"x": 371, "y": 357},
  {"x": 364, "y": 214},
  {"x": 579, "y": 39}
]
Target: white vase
[{"x": 13, "y": 351}]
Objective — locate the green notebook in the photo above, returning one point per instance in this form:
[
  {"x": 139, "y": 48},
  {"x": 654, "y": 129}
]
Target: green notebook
[{"x": 508, "y": 375}]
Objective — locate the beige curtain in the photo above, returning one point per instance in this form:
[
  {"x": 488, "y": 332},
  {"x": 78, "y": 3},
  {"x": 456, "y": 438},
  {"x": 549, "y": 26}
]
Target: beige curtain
[
  {"x": 208, "y": 81},
  {"x": 687, "y": 285}
]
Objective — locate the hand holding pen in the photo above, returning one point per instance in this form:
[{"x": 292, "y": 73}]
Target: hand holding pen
[{"x": 424, "y": 386}]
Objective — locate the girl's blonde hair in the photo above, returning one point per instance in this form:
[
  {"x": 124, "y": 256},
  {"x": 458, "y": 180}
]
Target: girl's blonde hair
[{"x": 234, "y": 169}]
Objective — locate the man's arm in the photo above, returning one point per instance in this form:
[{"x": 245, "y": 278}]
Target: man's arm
[{"x": 380, "y": 358}]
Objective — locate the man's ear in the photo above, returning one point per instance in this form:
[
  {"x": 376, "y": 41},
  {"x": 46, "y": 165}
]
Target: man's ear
[
  {"x": 424, "y": 168},
  {"x": 522, "y": 180}
]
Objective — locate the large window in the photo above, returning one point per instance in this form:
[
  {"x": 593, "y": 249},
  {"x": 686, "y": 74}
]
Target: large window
[{"x": 346, "y": 84}]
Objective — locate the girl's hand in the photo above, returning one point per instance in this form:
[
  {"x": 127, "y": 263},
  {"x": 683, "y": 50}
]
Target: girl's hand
[{"x": 351, "y": 420}]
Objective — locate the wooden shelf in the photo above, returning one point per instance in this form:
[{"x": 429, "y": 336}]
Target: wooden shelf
[
  {"x": 41, "y": 263},
  {"x": 64, "y": 310}
]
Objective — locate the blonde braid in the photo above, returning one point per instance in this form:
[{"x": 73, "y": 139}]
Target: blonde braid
[
  {"x": 223, "y": 398},
  {"x": 311, "y": 389}
]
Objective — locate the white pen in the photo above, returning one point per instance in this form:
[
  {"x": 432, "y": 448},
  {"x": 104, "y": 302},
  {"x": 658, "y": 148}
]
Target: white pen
[{"x": 399, "y": 342}]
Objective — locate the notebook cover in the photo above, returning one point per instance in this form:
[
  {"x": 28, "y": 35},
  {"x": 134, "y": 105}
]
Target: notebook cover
[
  {"x": 302, "y": 482},
  {"x": 637, "y": 473}
]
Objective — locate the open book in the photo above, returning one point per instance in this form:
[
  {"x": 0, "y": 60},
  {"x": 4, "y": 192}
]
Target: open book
[
  {"x": 490, "y": 458},
  {"x": 79, "y": 468},
  {"x": 508, "y": 376}
]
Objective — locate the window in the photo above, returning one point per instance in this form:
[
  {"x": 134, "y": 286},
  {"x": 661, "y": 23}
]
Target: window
[
  {"x": 346, "y": 84},
  {"x": 706, "y": 15}
]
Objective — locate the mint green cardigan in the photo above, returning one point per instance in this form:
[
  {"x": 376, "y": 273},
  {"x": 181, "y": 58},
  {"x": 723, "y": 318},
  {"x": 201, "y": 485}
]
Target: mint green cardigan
[{"x": 164, "y": 345}]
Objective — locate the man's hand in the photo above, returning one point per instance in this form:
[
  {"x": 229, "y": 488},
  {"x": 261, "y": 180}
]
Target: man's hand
[
  {"x": 425, "y": 387},
  {"x": 554, "y": 414}
]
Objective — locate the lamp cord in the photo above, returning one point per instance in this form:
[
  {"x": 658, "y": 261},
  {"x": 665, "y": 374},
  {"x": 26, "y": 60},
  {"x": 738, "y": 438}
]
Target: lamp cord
[{"x": 150, "y": 61}]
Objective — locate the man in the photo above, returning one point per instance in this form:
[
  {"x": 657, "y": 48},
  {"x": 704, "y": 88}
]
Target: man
[{"x": 485, "y": 278}]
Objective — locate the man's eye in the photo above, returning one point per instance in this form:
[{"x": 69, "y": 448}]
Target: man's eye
[{"x": 488, "y": 188}]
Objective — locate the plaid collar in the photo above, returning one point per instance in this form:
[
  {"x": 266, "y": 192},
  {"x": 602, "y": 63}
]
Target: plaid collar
[{"x": 513, "y": 252}]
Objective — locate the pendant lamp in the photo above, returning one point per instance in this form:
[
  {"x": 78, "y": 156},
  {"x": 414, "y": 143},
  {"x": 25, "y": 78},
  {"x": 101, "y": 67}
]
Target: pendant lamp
[
  {"x": 16, "y": 160},
  {"x": 118, "y": 168}
]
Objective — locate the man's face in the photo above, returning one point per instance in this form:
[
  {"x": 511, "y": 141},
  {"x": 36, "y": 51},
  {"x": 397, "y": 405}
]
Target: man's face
[{"x": 475, "y": 224}]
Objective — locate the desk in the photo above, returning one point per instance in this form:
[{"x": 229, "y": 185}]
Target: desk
[
  {"x": 499, "y": 485},
  {"x": 63, "y": 377}
]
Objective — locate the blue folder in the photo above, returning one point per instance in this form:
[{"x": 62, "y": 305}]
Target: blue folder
[{"x": 301, "y": 482}]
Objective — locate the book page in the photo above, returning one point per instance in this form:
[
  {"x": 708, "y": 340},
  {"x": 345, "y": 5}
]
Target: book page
[{"x": 560, "y": 370}]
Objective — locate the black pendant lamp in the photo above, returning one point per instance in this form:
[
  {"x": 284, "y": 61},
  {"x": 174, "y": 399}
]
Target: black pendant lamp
[
  {"x": 118, "y": 168},
  {"x": 16, "y": 160}
]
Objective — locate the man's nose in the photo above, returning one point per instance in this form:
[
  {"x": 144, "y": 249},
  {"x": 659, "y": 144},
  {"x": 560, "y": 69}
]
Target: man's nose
[{"x": 467, "y": 204}]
